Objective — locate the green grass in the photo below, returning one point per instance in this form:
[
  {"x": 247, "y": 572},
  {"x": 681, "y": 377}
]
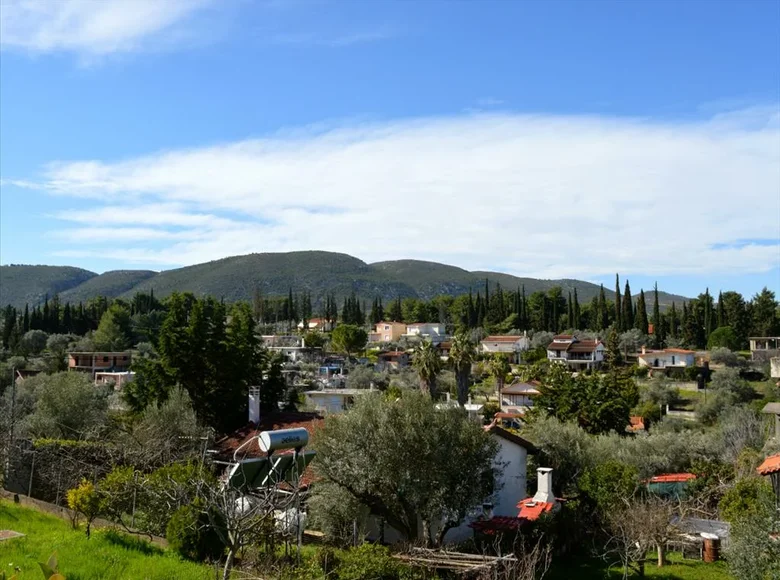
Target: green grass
[
  {"x": 107, "y": 555},
  {"x": 677, "y": 569}
]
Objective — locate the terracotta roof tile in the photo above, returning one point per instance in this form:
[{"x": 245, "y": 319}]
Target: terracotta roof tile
[
  {"x": 770, "y": 465},
  {"x": 532, "y": 510},
  {"x": 672, "y": 478}
]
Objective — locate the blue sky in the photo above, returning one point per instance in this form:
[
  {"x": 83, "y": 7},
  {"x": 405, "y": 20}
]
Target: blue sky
[{"x": 548, "y": 139}]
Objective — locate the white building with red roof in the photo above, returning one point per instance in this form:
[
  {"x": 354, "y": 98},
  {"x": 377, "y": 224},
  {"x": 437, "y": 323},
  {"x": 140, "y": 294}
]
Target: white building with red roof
[
  {"x": 668, "y": 357},
  {"x": 577, "y": 354},
  {"x": 508, "y": 344}
]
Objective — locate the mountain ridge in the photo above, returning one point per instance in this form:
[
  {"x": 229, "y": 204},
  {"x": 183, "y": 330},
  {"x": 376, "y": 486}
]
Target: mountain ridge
[{"x": 273, "y": 274}]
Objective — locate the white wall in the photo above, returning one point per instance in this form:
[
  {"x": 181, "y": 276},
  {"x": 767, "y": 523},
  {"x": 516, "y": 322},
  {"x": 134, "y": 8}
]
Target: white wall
[{"x": 666, "y": 359}]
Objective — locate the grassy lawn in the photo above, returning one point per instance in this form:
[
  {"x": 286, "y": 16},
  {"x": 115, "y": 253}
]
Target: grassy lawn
[
  {"x": 107, "y": 555},
  {"x": 678, "y": 569},
  {"x": 689, "y": 400}
]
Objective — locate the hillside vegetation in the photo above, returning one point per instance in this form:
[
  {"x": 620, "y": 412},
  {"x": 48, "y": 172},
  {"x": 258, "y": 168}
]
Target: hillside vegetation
[
  {"x": 20, "y": 285},
  {"x": 239, "y": 277}
]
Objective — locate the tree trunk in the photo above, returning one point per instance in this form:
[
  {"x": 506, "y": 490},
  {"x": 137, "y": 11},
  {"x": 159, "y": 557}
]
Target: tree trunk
[
  {"x": 661, "y": 554},
  {"x": 426, "y": 530},
  {"x": 462, "y": 378},
  {"x": 228, "y": 564}
]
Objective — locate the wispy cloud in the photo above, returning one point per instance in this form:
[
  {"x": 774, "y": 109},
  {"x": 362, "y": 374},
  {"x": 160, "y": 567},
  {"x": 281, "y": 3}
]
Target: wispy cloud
[
  {"x": 544, "y": 195},
  {"x": 489, "y": 102},
  {"x": 332, "y": 40},
  {"x": 92, "y": 27}
]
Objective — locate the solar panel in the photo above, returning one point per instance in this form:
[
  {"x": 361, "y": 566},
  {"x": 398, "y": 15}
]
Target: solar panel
[{"x": 269, "y": 471}]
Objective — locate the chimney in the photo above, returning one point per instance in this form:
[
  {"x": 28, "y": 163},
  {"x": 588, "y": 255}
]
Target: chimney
[
  {"x": 644, "y": 350},
  {"x": 448, "y": 397},
  {"x": 254, "y": 405},
  {"x": 544, "y": 491}
]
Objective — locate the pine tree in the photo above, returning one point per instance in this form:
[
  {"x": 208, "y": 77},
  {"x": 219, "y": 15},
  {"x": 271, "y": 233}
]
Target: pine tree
[
  {"x": 628, "y": 309},
  {"x": 618, "y": 309},
  {"x": 640, "y": 320}
]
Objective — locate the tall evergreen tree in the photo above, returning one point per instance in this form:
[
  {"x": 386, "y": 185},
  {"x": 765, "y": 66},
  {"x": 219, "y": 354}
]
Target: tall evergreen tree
[
  {"x": 603, "y": 312},
  {"x": 658, "y": 325},
  {"x": 673, "y": 322},
  {"x": 707, "y": 314},
  {"x": 26, "y": 319},
  {"x": 67, "y": 319},
  {"x": 570, "y": 312},
  {"x": 618, "y": 309},
  {"x": 640, "y": 320},
  {"x": 628, "y": 309},
  {"x": 576, "y": 306},
  {"x": 721, "y": 320}
]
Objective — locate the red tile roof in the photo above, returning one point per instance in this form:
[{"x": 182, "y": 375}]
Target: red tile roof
[
  {"x": 532, "y": 510},
  {"x": 672, "y": 478},
  {"x": 496, "y": 525},
  {"x": 504, "y": 415},
  {"x": 770, "y": 465},
  {"x": 503, "y": 338},
  {"x": 637, "y": 423},
  {"x": 227, "y": 446}
]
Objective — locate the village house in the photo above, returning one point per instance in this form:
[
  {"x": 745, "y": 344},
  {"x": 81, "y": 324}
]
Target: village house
[
  {"x": 117, "y": 379},
  {"x": 576, "y": 354},
  {"x": 387, "y": 332},
  {"x": 518, "y": 397},
  {"x": 763, "y": 348},
  {"x": 394, "y": 359},
  {"x": 333, "y": 400},
  {"x": 433, "y": 331},
  {"x": 668, "y": 357},
  {"x": 510, "y": 345},
  {"x": 317, "y": 325},
  {"x": 92, "y": 362}
]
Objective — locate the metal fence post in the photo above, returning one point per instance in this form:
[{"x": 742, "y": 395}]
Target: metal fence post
[{"x": 32, "y": 471}]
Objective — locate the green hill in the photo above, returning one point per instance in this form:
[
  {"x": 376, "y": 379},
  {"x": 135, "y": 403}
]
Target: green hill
[
  {"x": 20, "y": 284},
  {"x": 110, "y": 284},
  {"x": 320, "y": 273}
]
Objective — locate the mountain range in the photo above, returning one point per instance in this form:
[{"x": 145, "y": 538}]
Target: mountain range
[{"x": 274, "y": 274}]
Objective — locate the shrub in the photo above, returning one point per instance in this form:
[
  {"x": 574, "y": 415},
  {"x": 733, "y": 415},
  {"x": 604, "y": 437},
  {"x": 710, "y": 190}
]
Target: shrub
[
  {"x": 85, "y": 500},
  {"x": 724, "y": 356},
  {"x": 750, "y": 497},
  {"x": 368, "y": 561},
  {"x": 723, "y": 337},
  {"x": 190, "y": 534},
  {"x": 489, "y": 410}
]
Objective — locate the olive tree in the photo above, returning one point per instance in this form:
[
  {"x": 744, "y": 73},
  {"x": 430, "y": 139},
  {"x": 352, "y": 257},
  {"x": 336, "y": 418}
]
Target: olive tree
[{"x": 415, "y": 466}]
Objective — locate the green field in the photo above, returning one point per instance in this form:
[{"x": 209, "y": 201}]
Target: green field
[
  {"x": 677, "y": 569},
  {"x": 107, "y": 555}
]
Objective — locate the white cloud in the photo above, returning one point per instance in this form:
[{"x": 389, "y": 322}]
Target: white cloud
[
  {"x": 542, "y": 195},
  {"x": 93, "y": 27}
]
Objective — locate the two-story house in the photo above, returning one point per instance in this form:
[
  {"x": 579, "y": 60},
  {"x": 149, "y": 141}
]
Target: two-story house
[
  {"x": 576, "y": 354},
  {"x": 387, "y": 331},
  {"x": 510, "y": 345},
  {"x": 436, "y": 332}
]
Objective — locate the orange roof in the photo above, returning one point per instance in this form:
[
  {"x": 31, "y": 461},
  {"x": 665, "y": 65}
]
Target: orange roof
[
  {"x": 637, "y": 423},
  {"x": 770, "y": 465},
  {"x": 505, "y": 415},
  {"x": 532, "y": 510},
  {"x": 672, "y": 478}
]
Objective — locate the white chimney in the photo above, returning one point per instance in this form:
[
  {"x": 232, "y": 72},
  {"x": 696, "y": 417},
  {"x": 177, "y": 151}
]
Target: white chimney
[
  {"x": 544, "y": 491},
  {"x": 644, "y": 350},
  {"x": 254, "y": 405},
  {"x": 448, "y": 397}
]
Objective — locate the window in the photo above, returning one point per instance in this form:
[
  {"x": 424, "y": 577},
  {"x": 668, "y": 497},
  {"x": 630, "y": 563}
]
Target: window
[
  {"x": 672, "y": 359},
  {"x": 105, "y": 359},
  {"x": 387, "y": 327}
]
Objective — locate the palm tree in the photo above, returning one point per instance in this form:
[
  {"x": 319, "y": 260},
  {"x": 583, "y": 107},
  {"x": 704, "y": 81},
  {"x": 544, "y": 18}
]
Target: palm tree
[
  {"x": 427, "y": 362},
  {"x": 499, "y": 368},
  {"x": 462, "y": 355}
]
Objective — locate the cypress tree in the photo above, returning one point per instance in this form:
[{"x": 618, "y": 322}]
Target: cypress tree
[
  {"x": 26, "y": 319},
  {"x": 721, "y": 311},
  {"x": 472, "y": 312},
  {"x": 618, "y": 309},
  {"x": 640, "y": 320},
  {"x": 524, "y": 308},
  {"x": 707, "y": 315},
  {"x": 673, "y": 322},
  {"x": 628, "y": 309},
  {"x": 67, "y": 319},
  {"x": 46, "y": 323},
  {"x": 603, "y": 313},
  {"x": 576, "y": 308},
  {"x": 570, "y": 312},
  {"x": 657, "y": 322}
]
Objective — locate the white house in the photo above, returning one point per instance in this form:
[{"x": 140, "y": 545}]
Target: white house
[
  {"x": 512, "y": 461},
  {"x": 118, "y": 379},
  {"x": 668, "y": 357},
  {"x": 333, "y": 400},
  {"x": 317, "y": 324},
  {"x": 519, "y": 396},
  {"x": 511, "y": 345},
  {"x": 434, "y": 331},
  {"x": 577, "y": 354}
]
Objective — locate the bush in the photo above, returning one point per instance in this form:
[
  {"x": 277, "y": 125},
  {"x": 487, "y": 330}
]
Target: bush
[
  {"x": 724, "y": 356},
  {"x": 190, "y": 534},
  {"x": 368, "y": 561},
  {"x": 723, "y": 337},
  {"x": 750, "y": 497},
  {"x": 85, "y": 500},
  {"x": 489, "y": 410}
]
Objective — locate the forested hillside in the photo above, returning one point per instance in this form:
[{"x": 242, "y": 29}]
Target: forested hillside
[{"x": 318, "y": 274}]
